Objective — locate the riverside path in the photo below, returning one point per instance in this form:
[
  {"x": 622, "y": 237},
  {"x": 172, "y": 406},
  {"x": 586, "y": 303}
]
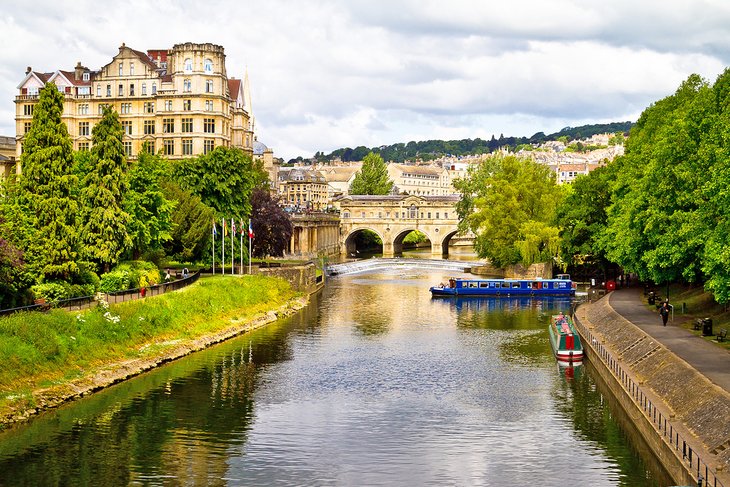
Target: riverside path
[{"x": 708, "y": 359}]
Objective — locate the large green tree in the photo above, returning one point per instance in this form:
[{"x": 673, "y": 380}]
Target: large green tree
[
  {"x": 151, "y": 213},
  {"x": 104, "y": 233},
  {"x": 655, "y": 222},
  {"x": 46, "y": 198},
  {"x": 372, "y": 178},
  {"x": 509, "y": 203},
  {"x": 582, "y": 218},
  {"x": 223, "y": 179}
]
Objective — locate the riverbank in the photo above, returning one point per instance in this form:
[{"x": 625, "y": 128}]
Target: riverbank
[
  {"x": 680, "y": 413},
  {"x": 51, "y": 358}
]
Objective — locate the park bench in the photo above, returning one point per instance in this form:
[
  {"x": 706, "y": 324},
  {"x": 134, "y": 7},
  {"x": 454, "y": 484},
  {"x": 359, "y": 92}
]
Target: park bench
[{"x": 722, "y": 336}]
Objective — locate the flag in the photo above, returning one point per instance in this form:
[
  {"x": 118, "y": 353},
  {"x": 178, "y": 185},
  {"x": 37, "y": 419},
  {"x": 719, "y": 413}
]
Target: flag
[
  {"x": 250, "y": 230},
  {"x": 225, "y": 228},
  {"x": 233, "y": 227},
  {"x": 215, "y": 231}
]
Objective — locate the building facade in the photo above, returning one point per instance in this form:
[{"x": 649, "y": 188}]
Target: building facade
[
  {"x": 179, "y": 102},
  {"x": 303, "y": 189}
]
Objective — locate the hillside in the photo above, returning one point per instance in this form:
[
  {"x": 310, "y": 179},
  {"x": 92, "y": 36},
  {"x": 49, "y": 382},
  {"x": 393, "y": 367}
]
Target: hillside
[{"x": 433, "y": 149}]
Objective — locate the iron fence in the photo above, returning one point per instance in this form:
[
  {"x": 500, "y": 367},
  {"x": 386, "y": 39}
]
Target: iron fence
[{"x": 659, "y": 420}]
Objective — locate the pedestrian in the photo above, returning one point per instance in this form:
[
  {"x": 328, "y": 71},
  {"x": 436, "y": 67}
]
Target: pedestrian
[
  {"x": 168, "y": 277},
  {"x": 664, "y": 312}
]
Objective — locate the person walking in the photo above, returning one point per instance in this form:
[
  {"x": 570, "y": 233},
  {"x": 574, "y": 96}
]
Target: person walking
[{"x": 664, "y": 311}]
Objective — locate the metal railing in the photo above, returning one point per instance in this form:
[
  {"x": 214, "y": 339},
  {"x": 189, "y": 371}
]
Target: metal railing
[
  {"x": 661, "y": 423},
  {"x": 85, "y": 302}
]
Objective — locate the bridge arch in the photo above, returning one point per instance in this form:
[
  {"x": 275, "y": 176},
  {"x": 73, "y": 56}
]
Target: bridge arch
[{"x": 350, "y": 240}]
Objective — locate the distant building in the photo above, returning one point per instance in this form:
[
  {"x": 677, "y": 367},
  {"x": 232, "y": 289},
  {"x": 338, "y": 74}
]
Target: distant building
[
  {"x": 7, "y": 156},
  {"x": 180, "y": 102},
  {"x": 271, "y": 165},
  {"x": 304, "y": 189},
  {"x": 421, "y": 180},
  {"x": 339, "y": 179}
]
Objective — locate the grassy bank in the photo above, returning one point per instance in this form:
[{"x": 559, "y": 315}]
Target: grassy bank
[
  {"x": 693, "y": 302},
  {"x": 40, "y": 350}
]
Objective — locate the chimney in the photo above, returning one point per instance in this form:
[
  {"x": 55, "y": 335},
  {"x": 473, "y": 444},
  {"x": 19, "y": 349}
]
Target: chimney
[
  {"x": 28, "y": 70},
  {"x": 78, "y": 71}
]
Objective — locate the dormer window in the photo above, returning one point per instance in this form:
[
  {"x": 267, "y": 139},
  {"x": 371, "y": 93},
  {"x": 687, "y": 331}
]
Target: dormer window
[
  {"x": 85, "y": 77},
  {"x": 188, "y": 65},
  {"x": 208, "y": 66}
]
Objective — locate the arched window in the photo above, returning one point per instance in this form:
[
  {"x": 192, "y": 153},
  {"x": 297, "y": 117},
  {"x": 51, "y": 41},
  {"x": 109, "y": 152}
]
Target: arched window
[
  {"x": 413, "y": 212},
  {"x": 208, "y": 66},
  {"x": 188, "y": 65}
]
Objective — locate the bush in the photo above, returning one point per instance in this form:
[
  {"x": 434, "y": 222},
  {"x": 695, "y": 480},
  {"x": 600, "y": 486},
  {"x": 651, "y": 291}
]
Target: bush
[
  {"x": 130, "y": 275},
  {"x": 51, "y": 291}
]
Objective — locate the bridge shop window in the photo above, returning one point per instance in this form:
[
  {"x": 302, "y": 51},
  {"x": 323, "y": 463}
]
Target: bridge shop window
[
  {"x": 413, "y": 211},
  {"x": 346, "y": 214}
]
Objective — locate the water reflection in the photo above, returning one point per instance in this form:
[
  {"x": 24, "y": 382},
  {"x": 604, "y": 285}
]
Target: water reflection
[{"x": 375, "y": 383}]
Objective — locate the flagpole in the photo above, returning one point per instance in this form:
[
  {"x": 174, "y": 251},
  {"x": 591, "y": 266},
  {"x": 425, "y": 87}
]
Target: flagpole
[
  {"x": 223, "y": 248},
  {"x": 240, "y": 269},
  {"x": 213, "y": 248},
  {"x": 249, "y": 246},
  {"x": 233, "y": 240}
]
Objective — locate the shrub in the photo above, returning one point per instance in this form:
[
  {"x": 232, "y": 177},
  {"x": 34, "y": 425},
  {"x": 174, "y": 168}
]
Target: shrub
[{"x": 51, "y": 291}]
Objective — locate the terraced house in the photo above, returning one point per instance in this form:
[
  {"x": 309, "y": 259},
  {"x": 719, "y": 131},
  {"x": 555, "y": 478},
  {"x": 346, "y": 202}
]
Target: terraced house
[{"x": 179, "y": 101}]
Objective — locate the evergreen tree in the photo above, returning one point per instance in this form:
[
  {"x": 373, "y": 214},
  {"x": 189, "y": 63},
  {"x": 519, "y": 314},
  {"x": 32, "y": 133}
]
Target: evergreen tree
[
  {"x": 372, "y": 178},
  {"x": 47, "y": 184},
  {"x": 191, "y": 225},
  {"x": 104, "y": 234},
  {"x": 151, "y": 213}
]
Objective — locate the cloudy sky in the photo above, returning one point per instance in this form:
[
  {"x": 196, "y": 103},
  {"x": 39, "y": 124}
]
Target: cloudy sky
[{"x": 327, "y": 74}]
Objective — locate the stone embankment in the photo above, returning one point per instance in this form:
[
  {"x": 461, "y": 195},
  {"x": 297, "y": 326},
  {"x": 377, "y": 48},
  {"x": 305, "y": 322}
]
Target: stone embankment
[
  {"x": 694, "y": 408},
  {"x": 111, "y": 374}
]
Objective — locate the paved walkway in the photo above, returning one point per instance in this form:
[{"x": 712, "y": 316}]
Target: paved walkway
[{"x": 706, "y": 357}]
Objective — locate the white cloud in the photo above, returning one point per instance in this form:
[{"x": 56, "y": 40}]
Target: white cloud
[{"x": 328, "y": 74}]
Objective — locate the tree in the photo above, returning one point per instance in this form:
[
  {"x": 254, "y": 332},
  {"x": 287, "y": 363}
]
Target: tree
[
  {"x": 191, "y": 225},
  {"x": 223, "y": 179},
  {"x": 509, "y": 203},
  {"x": 104, "y": 232},
  {"x": 582, "y": 217},
  {"x": 372, "y": 178},
  {"x": 271, "y": 225},
  {"x": 47, "y": 184},
  {"x": 655, "y": 222},
  {"x": 151, "y": 224}
]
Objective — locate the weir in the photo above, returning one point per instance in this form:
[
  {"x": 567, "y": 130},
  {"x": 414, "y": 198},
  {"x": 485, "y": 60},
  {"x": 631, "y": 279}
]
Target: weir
[{"x": 386, "y": 263}]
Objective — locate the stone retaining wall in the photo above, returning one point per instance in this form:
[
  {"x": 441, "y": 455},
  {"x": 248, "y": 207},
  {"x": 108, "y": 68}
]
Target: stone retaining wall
[{"x": 686, "y": 397}]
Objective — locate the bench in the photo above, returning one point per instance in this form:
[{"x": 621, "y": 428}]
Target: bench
[{"x": 722, "y": 336}]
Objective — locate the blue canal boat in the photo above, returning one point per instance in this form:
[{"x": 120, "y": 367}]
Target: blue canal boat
[{"x": 561, "y": 286}]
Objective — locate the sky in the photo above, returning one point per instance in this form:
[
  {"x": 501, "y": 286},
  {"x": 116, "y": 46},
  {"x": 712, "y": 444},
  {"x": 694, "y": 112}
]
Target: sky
[{"x": 327, "y": 74}]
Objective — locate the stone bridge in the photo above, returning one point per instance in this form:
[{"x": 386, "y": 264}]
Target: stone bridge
[{"x": 394, "y": 217}]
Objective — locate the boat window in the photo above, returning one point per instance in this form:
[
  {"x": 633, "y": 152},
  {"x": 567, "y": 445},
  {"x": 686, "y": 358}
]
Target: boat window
[
  {"x": 505, "y": 285},
  {"x": 492, "y": 284},
  {"x": 515, "y": 285},
  {"x": 472, "y": 284},
  {"x": 483, "y": 284}
]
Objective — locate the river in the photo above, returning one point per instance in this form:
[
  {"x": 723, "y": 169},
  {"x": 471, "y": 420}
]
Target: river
[{"x": 375, "y": 383}]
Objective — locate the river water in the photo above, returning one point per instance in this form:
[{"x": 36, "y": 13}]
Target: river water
[{"x": 375, "y": 383}]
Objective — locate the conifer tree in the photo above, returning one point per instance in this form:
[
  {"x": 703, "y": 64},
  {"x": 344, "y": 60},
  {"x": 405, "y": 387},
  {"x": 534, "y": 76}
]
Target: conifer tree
[
  {"x": 47, "y": 183},
  {"x": 150, "y": 212},
  {"x": 104, "y": 233},
  {"x": 372, "y": 178}
]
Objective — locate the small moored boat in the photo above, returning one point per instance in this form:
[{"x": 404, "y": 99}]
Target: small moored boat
[
  {"x": 565, "y": 339},
  {"x": 562, "y": 286}
]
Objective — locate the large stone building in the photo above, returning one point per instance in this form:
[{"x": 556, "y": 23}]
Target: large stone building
[
  {"x": 7, "y": 156},
  {"x": 179, "y": 102},
  {"x": 303, "y": 189}
]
